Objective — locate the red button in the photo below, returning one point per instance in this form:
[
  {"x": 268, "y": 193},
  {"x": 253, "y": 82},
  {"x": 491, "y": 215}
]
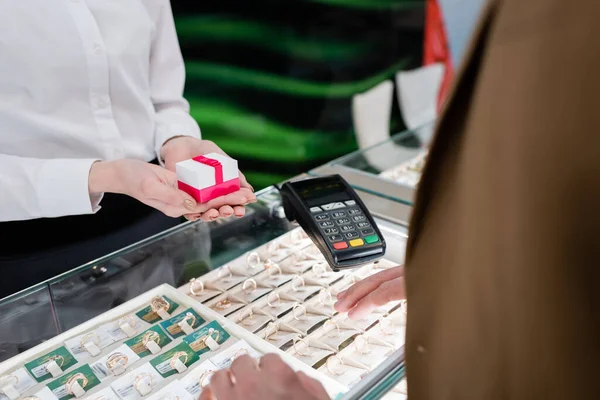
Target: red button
[{"x": 340, "y": 245}]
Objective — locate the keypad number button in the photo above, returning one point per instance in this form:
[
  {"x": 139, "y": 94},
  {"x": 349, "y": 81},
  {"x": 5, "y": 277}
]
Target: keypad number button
[
  {"x": 331, "y": 231},
  {"x": 326, "y": 224},
  {"x": 357, "y": 218},
  {"x": 342, "y": 221},
  {"x": 351, "y": 235},
  {"x": 363, "y": 224},
  {"x": 322, "y": 217},
  {"x": 354, "y": 211},
  {"x": 338, "y": 214},
  {"x": 347, "y": 228},
  {"x": 335, "y": 238}
]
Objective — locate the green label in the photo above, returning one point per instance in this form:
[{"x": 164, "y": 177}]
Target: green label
[
  {"x": 63, "y": 386},
  {"x": 172, "y": 325},
  {"x": 165, "y": 363},
  {"x": 151, "y": 317},
  {"x": 37, "y": 368},
  {"x": 197, "y": 340},
  {"x": 156, "y": 334}
]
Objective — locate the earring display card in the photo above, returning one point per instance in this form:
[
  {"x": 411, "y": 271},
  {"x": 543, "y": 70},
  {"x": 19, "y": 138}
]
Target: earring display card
[
  {"x": 173, "y": 390},
  {"x": 150, "y": 316},
  {"x": 309, "y": 355},
  {"x": 202, "y": 291},
  {"x": 274, "y": 277},
  {"x": 128, "y": 326},
  {"x": 89, "y": 345},
  {"x": 342, "y": 372},
  {"x": 74, "y": 384},
  {"x": 277, "y": 338},
  {"x": 304, "y": 322},
  {"x": 275, "y": 304},
  {"x": 13, "y": 385},
  {"x": 251, "y": 318},
  {"x": 51, "y": 365},
  {"x": 141, "y": 380},
  {"x": 207, "y": 338},
  {"x": 187, "y": 320},
  {"x": 226, "y": 304},
  {"x": 146, "y": 342},
  {"x": 250, "y": 295},
  {"x": 198, "y": 378},
  {"x": 121, "y": 359},
  {"x": 175, "y": 361}
]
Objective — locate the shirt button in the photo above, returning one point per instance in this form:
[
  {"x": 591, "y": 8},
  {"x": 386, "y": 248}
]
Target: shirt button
[
  {"x": 98, "y": 49},
  {"x": 99, "y": 102},
  {"x": 421, "y": 349}
]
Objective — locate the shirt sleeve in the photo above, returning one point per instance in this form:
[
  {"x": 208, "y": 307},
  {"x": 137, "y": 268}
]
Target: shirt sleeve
[
  {"x": 44, "y": 188},
  {"x": 167, "y": 81}
]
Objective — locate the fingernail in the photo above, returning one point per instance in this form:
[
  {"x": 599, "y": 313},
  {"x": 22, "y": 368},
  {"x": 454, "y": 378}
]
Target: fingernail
[
  {"x": 252, "y": 188},
  {"x": 189, "y": 204},
  {"x": 342, "y": 294},
  {"x": 252, "y": 201}
]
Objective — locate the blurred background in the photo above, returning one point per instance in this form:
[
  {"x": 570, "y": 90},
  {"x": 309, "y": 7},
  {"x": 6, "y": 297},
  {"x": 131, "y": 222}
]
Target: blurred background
[{"x": 271, "y": 81}]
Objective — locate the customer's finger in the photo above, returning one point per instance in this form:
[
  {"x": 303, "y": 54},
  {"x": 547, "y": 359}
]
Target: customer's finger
[
  {"x": 221, "y": 385},
  {"x": 193, "y": 217},
  {"x": 210, "y": 215},
  {"x": 313, "y": 386},
  {"x": 387, "y": 292},
  {"x": 206, "y": 394},
  {"x": 244, "y": 366},
  {"x": 226, "y": 211},
  {"x": 239, "y": 211},
  {"x": 349, "y": 298}
]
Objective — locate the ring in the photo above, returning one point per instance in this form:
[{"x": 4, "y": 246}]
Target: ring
[
  {"x": 300, "y": 279},
  {"x": 404, "y": 306},
  {"x": 6, "y": 378},
  {"x": 189, "y": 316},
  {"x": 299, "y": 339},
  {"x": 328, "y": 332},
  {"x": 34, "y": 398},
  {"x": 56, "y": 359},
  {"x": 223, "y": 304},
  {"x": 196, "y": 282},
  {"x": 205, "y": 375},
  {"x": 116, "y": 359},
  {"x": 253, "y": 286},
  {"x": 278, "y": 299},
  {"x": 128, "y": 319},
  {"x": 142, "y": 377},
  {"x": 210, "y": 334},
  {"x": 75, "y": 378},
  {"x": 223, "y": 268},
  {"x": 297, "y": 306},
  {"x": 297, "y": 235},
  {"x": 253, "y": 260},
  {"x": 274, "y": 246},
  {"x": 91, "y": 335},
  {"x": 244, "y": 317},
  {"x": 271, "y": 325},
  {"x": 151, "y": 336},
  {"x": 177, "y": 356},
  {"x": 240, "y": 353},
  {"x": 328, "y": 297},
  {"x": 319, "y": 270},
  {"x": 340, "y": 364},
  {"x": 159, "y": 303},
  {"x": 391, "y": 328},
  {"x": 364, "y": 347},
  {"x": 276, "y": 268}
]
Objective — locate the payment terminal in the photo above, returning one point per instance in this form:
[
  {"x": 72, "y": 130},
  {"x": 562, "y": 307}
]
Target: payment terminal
[{"x": 336, "y": 220}]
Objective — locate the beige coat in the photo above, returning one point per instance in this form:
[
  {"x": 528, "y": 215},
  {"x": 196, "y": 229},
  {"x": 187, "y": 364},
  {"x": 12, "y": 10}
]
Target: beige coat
[{"x": 503, "y": 262}]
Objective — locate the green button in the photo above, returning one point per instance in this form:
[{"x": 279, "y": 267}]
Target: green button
[{"x": 372, "y": 239}]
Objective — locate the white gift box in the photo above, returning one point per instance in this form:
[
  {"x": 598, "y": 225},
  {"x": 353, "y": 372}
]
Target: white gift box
[{"x": 209, "y": 176}]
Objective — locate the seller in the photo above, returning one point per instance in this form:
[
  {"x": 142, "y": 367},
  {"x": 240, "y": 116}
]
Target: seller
[
  {"x": 91, "y": 109},
  {"x": 502, "y": 274}
]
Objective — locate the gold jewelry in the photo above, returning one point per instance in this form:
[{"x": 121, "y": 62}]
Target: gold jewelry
[
  {"x": 84, "y": 339},
  {"x": 329, "y": 297},
  {"x": 271, "y": 325},
  {"x": 147, "y": 378},
  {"x": 223, "y": 304},
  {"x": 210, "y": 334},
  {"x": 178, "y": 356},
  {"x": 189, "y": 316},
  {"x": 128, "y": 319},
  {"x": 77, "y": 377},
  {"x": 364, "y": 347},
  {"x": 151, "y": 336},
  {"x": 340, "y": 370},
  {"x": 56, "y": 358},
  {"x": 269, "y": 303},
  {"x": 205, "y": 375},
  {"x": 159, "y": 303},
  {"x": 391, "y": 328},
  {"x": 305, "y": 354},
  {"x": 275, "y": 268},
  {"x": 404, "y": 306},
  {"x": 196, "y": 282},
  {"x": 243, "y": 317},
  {"x": 253, "y": 286},
  {"x": 253, "y": 260},
  {"x": 297, "y": 306},
  {"x": 319, "y": 269},
  {"x": 222, "y": 269},
  {"x": 295, "y": 286},
  {"x": 328, "y": 332},
  {"x": 117, "y": 359}
]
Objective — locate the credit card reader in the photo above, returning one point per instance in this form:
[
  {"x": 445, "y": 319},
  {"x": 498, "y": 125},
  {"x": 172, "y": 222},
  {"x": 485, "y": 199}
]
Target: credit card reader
[{"x": 336, "y": 220}]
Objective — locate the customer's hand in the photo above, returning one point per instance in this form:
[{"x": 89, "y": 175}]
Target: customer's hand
[
  {"x": 377, "y": 290},
  {"x": 269, "y": 379},
  {"x": 155, "y": 187},
  {"x": 183, "y": 148}
]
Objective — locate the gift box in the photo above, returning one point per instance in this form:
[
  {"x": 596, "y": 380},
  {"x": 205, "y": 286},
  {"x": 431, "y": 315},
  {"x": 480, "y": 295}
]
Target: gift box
[{"x": 209, "y": 176}]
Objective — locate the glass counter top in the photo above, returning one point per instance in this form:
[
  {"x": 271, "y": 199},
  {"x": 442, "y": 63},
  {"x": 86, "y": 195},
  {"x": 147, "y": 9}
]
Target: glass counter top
[
  {"x": 390, "y": 169},
  {"x": 174, "y": 257}
]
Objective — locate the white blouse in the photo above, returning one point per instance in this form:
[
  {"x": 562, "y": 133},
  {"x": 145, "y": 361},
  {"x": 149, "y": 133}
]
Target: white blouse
[{"x": 80, "y": 81}]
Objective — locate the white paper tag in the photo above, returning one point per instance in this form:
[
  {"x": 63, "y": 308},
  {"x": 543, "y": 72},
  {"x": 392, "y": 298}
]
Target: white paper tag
[
  {"x": 125, "y": 388},
  {"x": 179, "y": 366},
  {"x": 19, "y": 380},
  {"x": 163, "y": 314},
  {"x": 46, "y": 394},
  {"x": 54, "y": 369},
  {"x": 101, "y": 369},
  {"x": 143, "y": 387},
  {"x": 186, "y": 328},
  {"x": 153, "y": 347},
  {"x": 191, "y": 381},
  {"x": 92, "y": 348},
  {"x": 128, "y": 329},
  {"x": 10, "y": 391},
  {"x": 210, "y": 342},
  {"x": 173, "y": 391},
  {"x": 104, "y": 394},
  {"x": 77, "y": 390}
]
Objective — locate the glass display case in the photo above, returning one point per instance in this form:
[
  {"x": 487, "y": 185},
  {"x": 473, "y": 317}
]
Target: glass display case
[
  {"x": 258, "y": 278},
  {"x": 390, "y": 169}
]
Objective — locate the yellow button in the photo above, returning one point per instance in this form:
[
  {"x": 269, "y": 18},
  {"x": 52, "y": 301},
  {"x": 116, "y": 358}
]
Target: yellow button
[{"x": 356, "y": 242}]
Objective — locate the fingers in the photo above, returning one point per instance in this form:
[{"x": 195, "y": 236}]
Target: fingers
[
  {"x": 241, "y": 197},
  {"x": 388, "y": 291},
  {"x": 206, "y": 394},
  {"x": 226, "y": 211},
  {"x": 349, "y": 298},
  {"x": 210, "y": 215},
  {"x": 221, "y": 385},
  {"x": 239, "y": 211},
  {"x": 312, "y": 386},
  {"x": 244, "y": 182},
  {"x": 244, "y": 366},
  {"x": 173, "y": 197}
]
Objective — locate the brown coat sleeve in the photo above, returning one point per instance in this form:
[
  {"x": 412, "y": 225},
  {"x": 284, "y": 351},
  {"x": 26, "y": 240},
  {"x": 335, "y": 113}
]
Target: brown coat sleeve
[{"x": 503, "y": 264}]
